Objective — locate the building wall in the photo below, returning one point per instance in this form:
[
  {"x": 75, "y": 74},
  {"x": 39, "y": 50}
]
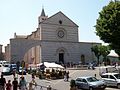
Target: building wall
[
  {"x": 73, "y": 51},
  {"x": 7, "y": 53},
  {"x": 1, "y": 48},
  {"x": 50, "y": 27}
]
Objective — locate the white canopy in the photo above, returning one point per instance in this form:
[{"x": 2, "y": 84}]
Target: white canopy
[
  {"x": 113, "y": 54},
  {"x": 51, "y": 65}
]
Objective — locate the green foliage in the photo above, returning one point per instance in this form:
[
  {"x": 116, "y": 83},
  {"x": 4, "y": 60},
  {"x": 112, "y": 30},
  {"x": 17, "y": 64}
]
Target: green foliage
[
  {"x": 108, "y": 25},
  {"x": 101, "y": 50},
  {"x": 97, "y": 51}
]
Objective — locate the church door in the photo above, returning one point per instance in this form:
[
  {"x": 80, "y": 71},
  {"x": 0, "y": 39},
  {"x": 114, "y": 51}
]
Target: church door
[{"x": 61, "y": 58}]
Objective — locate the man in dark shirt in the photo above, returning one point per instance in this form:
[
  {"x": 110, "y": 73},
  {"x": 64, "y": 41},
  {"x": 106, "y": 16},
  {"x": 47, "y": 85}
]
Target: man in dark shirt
[
  {"x": 2, "y": 82},
  {"x": 15, "y": 84}
]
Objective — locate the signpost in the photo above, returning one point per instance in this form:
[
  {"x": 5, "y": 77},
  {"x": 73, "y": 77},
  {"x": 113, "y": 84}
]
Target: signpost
[{"x": 23, "y": 65}]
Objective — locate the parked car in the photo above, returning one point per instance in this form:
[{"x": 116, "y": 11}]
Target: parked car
[
  {"x": 13, "y": 66},
  {"x": 112, "y": 79},
  {"x": 22, "y": 71},
  {"x": 0, "y": 65},
  {"x": 6, "y": 71},
  {"x": 90, "y": 83},
  {"x": 6, "y": 65}
]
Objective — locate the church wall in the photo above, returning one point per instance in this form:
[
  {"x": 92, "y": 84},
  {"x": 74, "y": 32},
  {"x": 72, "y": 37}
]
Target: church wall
[
  {"x": 49, "y": 51},
  {"x": 85, "y": 49},
  {"x": 50, "y": 32}
]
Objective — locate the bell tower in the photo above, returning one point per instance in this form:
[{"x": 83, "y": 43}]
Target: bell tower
[{"x": 42, "y": 17}]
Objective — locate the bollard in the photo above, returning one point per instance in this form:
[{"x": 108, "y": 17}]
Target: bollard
[{"x": 49, "y": 88}]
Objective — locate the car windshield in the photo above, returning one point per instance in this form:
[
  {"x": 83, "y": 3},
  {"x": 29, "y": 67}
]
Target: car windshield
[
  {"x": 92, "y": 79},
  {"x": 117, "y": 76}
]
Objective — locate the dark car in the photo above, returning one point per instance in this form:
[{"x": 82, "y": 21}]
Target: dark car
[
  {"x": 90, "y": 83},
  {"x": 13, "y": 66},
  {"x": 22, "y": 71}
]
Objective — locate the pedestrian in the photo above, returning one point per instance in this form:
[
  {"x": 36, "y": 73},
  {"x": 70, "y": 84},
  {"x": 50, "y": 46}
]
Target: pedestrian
[
  {"x": 8, "y": 85},
  {"x": 22, "y": 84},
  {"x": 32, "y": 84},
  {"x": 33, "y": 76},
  {"x": 15, "y": 84},
  {"x": 14, "y": 72},
  {"x": 67, "y": 75},
  {"x": 2, "y": 82}
]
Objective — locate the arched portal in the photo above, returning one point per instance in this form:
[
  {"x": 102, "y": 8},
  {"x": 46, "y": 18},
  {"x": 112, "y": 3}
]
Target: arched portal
[
  {"x": 61, "y": 56},
  {"x": 62, "y": 53}
]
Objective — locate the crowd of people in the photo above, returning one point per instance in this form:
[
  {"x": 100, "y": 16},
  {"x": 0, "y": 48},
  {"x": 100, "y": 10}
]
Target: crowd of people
[{"x": 15, "y": 85}]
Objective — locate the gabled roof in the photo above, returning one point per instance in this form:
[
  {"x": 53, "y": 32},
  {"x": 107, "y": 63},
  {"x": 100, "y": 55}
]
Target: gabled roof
[{"x": 63, "y": 15}]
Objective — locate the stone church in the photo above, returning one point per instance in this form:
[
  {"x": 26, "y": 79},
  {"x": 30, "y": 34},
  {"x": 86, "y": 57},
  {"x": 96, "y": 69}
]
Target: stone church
[{"x": 55, "y": 40}]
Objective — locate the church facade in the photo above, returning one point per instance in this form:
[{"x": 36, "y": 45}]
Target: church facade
[{"x": 55, "y": 40}]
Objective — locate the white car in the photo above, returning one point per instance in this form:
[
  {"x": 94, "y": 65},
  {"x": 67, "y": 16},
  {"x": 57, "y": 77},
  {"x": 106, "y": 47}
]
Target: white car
[
  {"x": 111, "y": 79},
  {"x": 6, "y": 71}
]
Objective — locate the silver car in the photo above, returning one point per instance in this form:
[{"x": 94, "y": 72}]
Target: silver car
[
  {"x": 90, "y": 83},
  {"x": 111, "y": 79}
]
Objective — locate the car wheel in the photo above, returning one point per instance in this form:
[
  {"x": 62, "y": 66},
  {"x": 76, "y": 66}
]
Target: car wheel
[
  {"x": 90, "y": 88},
  {"x": 118, "y": 86}
]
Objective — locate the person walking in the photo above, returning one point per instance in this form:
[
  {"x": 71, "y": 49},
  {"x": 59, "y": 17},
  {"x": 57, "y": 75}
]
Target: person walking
[
  {"x": 2, "y": 82},
  {"x": 67, "y": 75},
  {"x": 15, "y": 84},
  {"x": 32, "y": 84},
  {"x": 22, "y": 84},
  {"x": 8, "y": 85}
]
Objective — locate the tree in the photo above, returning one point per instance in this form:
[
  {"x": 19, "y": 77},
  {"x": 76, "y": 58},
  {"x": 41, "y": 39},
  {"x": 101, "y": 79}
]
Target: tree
[
  {"x": 97, "y": 52},
  {"x": 105, "y": 50},
  {"x": 108, "y": 25}
]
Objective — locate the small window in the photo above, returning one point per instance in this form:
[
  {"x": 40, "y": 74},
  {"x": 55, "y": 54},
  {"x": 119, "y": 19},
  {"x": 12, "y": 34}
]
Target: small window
[{"x": 60, "y": 21}]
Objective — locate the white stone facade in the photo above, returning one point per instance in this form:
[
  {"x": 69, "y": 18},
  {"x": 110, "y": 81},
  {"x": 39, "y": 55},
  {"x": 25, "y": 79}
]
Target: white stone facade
[{"x": 55, "y": 40}]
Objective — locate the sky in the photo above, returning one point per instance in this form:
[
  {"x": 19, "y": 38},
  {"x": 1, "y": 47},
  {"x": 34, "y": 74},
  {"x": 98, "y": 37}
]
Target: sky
[{"x": 21, "y": 16}]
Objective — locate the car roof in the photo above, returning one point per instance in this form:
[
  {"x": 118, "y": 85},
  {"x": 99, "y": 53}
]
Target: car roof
[
  {"x": 85, "y": 77},
  {"x": 110, "y": 73}
]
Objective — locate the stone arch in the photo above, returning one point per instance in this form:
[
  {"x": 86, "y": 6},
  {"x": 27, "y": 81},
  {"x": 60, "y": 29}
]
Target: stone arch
[
  {"x": 20, "y": 46},
  {"x": 62, "y": 49}
]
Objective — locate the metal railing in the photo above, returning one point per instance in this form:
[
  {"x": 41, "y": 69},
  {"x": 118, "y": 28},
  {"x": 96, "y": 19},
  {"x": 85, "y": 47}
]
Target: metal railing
[{"x": 41, "y": 87}]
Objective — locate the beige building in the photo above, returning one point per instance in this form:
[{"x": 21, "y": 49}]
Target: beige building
[
  {"x": 1, "y": 48},
  {"x": 54, "y": 40}
]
